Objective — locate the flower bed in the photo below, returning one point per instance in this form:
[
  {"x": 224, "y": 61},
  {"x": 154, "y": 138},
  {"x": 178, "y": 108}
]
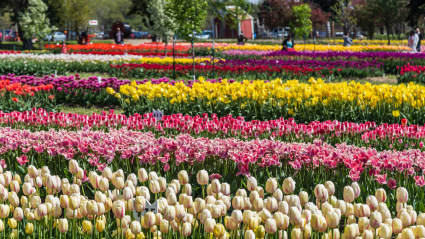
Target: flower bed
[
  {"x": 199, "y": 205},
  {"x": 21, "y": 97},
  {"x": 411, "y": 73},
  {"x": 369, "y": 134},
  {"x": 126, "y": 149},
  {"x": 261, "y": 100}
]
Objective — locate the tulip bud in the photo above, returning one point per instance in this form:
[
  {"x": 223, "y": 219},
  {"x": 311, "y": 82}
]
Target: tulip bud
[
  {"x": 4, "y": 211},
  {"x": 375, "y": 219},
  {"x": 282, "y": 220},
  {"x": 295, "y": 216},
  {"x": 258, "y": 204},
  {"x": 251, "y": 183},
  {"x": 318, "y": 223},
  {"x": 135, "y": 227},
  {"x": 296, "y": 233},
  {"x": 29, "y": 228},
  {"x": 367, "y": 234},
  {"x": 187, "y": 229},
  {"x": 363, "y": 224},
  {"x": 332, "y": 219},
  {"x": 149, "y": 219},
  {"x": 28, "y": 189},
  {"x": 405, "y": 218},
  {"x": 419, "y": 231},
  {"x": 154, "y": 186},
  {"x": 202, "y": 177},
  {"x": 104, "y": 184},
  {"x": 87, "y": 227},
  {"x": 407, "y": 234},
  {"x": 372, "y": 202},
  {"x": 288, "y": 186},
  {"x": 183, "y": 177},
  {"x": 381, "y": 195},
  {"x": 209, "y": 225},
  {"x": 225, "y": 189},
  {"x": 278, "y": 195},
  {"x": 384, "y": 231},
  {"x": 397, "y": 225},
  {"x": 63, "y": 225},
  {"x": 348, "y": 194},
  {"x": 12, "y": 223},
  {"x": 18, "y": 214},
  {"x": 402, "y": 195},
  {"x": 270, "y": 226},
  {"x": 249, "y": 234},
  {"x": 329, "y": 185},
  {"x": 271, "y": 204},
  {"x": 271, "y": 185},
  {"x": 74, "y": 201},
  {"x": 321, "y": 193},
  {"x": 118, "y": 209},
  {"x": 73, "y": 166}
]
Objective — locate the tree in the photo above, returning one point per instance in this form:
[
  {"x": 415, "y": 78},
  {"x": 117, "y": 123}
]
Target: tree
[
  {"x": 76, "y": 14},
  {"x": 54, "y": 12},
  {"x": 416, "y": 12},
  {"x": 109, "y": 11},
  {"x": 160, "y": 23},
  {"x": 276, "y": 13},
  {"x": 365, "y": 18},
  {"x": 388, "y": 13},
  {"x": 344, "y": 14},
  {"x": 34, "y": 21},
  {"x": 237, "y": 10},
  {"x": 188, "y": 15},
  {"x": 326, "y": 5},
  {"x": 318, "y": 17},
  {"x": 302, "y": 25}
]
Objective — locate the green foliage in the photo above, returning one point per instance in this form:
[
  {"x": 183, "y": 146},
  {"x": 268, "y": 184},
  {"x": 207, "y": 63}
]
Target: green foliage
[
  {"x": 388, "y": 12},
  {"x": 160, "y": 23},
  {"x": 302, "y": 25},
  {"x": 344, "y": 14},
  {"x": 237, "y": 10},
  {"x": 34, "y": 22},
  {"x": 109, "y": 11},
  {"x": 76, "y": 14},
  {"x": 188, "y": 15}
]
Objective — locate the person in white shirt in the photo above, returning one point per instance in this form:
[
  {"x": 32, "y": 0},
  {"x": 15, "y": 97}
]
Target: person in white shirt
[{"x": 413, "y": 41}]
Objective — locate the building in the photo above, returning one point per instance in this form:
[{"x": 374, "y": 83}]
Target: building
[{"x": 227, "y": 29}]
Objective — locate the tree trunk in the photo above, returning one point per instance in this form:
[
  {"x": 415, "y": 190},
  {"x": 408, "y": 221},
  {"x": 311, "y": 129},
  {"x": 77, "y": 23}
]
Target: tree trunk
[
  {"x": 388, "y": 33},
  {"x": 26, "y": 43}
]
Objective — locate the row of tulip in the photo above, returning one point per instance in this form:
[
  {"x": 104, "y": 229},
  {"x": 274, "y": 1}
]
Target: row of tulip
[
  {"x": 229, "y": 157},
  {"x": 306, "y": 102},
  {"x": 19, "y": 97},
  {"x": 242, "y": 71},
  {"x": 415, "y": 73},
  {"x": 313, "y": 47},
  {"x": 115, "y": 204},
  {"x": 256, "y": 68},
  {"x": 160, "y": 67},
  {"x": 184, "y": 47},
  {"x": 369, "y": 134}
]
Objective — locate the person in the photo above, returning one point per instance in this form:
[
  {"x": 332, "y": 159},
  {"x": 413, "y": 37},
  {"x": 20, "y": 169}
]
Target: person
[
  {"x": 420, "y": 38},
  {"x": 83, "y": 38},
  {"x": 287, "y": 44},
  {"x": 347, "y": 40},
  {"x": 119, "y": 36},
  {"x": 413, "y": 41},
  {"x": 242, "y": 39}
]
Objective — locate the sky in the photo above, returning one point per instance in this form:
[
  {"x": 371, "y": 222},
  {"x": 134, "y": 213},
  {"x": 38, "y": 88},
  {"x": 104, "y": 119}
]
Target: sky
[{"x": 254, "y": 1}]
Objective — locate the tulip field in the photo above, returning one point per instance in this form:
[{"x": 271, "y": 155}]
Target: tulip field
[{"x": 222, "y": 141}]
